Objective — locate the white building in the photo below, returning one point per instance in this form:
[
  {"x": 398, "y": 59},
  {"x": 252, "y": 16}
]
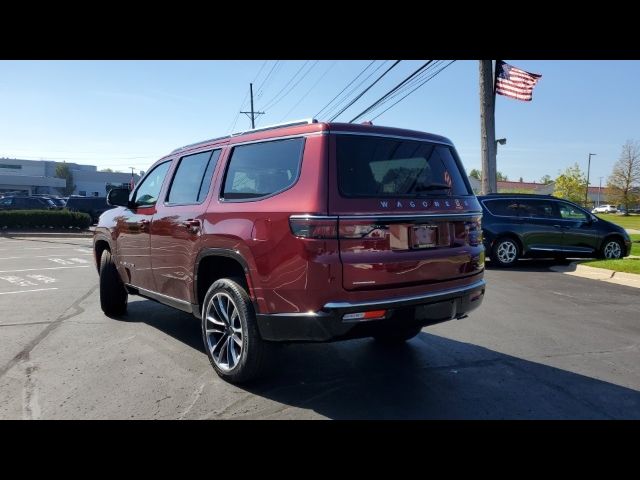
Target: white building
[{"x": 38, "y": 176}]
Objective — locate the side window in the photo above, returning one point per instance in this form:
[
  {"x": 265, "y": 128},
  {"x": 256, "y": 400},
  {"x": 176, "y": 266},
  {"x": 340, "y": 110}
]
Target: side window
[
  {"x": 192, "y": 179},
  {"x": 537, "y": 209},
  {"x": 505, "y": 208},
  {"x": 149, "y": 189},
  {"x": 568, "y": 212},
  {"x": 20, "y": 202},
  {"x": 5, "y": 202},
  {"x": 261, "y": 169}
]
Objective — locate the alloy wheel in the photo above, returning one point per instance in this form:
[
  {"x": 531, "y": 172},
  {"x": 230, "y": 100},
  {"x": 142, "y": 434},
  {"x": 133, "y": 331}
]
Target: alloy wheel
[
  {"x": 612, "y": 250},
  {"x": 507, "y": 252},
  {"x": 223, "y": 331}
]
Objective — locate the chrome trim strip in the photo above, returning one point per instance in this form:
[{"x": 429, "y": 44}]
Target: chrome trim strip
[
  {"x": 165, "y": 299},
  {"x": 313, "y": 217},
  {"x": 401, "y": 300},
  {"x": 292, "y": 123},
  {"x": 562, "y": 250},
  {"x": 400, "y": 137},
  {"x": 400, "y": 216}
]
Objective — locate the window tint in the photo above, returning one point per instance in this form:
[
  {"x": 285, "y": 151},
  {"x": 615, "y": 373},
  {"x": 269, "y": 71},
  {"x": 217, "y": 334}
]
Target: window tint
[
  {"x": 537, "y": 209},
  {"x": 386, "y": 167},
  {"x": 507, "y": 208},
  {"x": 569, "y": 212},
  {"x": 260, "y": 169},
  {"x": 5, "y": 202},
  {"x": 192, "y": 179},
  {"x": 149, "y": 189}
]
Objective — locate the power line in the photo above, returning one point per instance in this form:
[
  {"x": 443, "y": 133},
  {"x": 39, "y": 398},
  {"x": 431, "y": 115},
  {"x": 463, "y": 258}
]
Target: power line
[
  {"x": 377, "y": 102},
  {"x": 365, "y": 91},
  {"x": 348, "y": 85},
  {"x": 268, "y": 104},
  {"x": 265, "y": 82},
  {"x": 347, "y": 95},
  {"x": 433, "y": 75},
  {"x": 304, "y": 75},
  {"x": 309, "y": 91}
]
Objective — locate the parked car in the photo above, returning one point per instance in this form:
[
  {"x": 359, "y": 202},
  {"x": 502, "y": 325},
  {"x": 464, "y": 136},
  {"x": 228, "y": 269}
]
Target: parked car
[
  {"x": 27, "y": 203},
  {"x": 58, "y": 201},
  {"x": 94, "y": 206},
  {"x": 605, "y": 209},
  {"x": 520, "y": 225},
  {"x": 298, "y": 233}
]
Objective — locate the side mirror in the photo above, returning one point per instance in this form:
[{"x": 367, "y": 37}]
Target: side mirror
[{"x": 118, "y": 197}]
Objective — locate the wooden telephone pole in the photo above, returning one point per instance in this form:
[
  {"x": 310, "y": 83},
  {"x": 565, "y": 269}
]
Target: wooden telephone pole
[{"x": 488, "y": 127}]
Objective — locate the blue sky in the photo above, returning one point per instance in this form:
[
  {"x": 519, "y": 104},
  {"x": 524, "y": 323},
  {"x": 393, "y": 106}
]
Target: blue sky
[{"x": 122, "y": 114}]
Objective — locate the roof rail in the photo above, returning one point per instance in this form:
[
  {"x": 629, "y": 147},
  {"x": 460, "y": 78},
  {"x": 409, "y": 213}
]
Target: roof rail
[
  {"x": 304, "y": 121},
  {"x": 199, "y": 143}
]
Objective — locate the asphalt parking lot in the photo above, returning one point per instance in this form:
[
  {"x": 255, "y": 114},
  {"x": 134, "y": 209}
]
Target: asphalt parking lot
[{"x": 543, "y": 345}]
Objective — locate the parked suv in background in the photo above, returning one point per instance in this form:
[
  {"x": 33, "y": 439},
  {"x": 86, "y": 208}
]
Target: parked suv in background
[
  {"x": 303, "y": 232},
  {"x": 605, "y": 209},
  {"x": 521, "y": 225},
  {"x": 93, "y": 206},
  {"x": 27, "y": 203}
]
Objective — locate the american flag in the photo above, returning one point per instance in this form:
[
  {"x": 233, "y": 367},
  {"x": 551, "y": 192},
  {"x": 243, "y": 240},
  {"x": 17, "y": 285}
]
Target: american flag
[{"x": 515, "y": 83}]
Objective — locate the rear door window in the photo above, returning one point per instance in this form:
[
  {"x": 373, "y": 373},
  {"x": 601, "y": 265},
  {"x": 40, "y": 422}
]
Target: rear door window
[
  {"x": 370, "y": 166},
  {"x": 262, "y": 169},
  {"x": 538, "y": 209},
  {"x": 192, "y": 179},
  {"x": 504, "y": 208}
]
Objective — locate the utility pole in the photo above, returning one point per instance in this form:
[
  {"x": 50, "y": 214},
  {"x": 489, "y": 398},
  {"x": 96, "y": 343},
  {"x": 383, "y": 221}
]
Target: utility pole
[
  {"x": 586, "y": 190},
  {"x": 252, "y": 115},
  {"x": 488, "y": 128}
]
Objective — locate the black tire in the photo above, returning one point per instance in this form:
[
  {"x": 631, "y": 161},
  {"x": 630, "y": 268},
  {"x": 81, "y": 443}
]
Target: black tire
[
  {"x": 608, "y": 249},
  {"x": 253, "y": 353},
  {"x": 505, "y": 252},
  {"x": 397, "y": 337},
  {"x": 113, "y": 294}
]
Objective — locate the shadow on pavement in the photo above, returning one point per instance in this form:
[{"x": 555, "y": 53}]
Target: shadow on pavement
[
  {"x": 430, "y": 377},
  {"x": 533, "y": 265}
]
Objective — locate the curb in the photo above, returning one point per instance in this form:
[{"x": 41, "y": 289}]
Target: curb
[{"x": 602, "y": 274}]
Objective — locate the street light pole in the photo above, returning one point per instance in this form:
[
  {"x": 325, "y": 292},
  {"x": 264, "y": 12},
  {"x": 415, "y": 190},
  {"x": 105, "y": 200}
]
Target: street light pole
[{"x": 586, "y": 191}]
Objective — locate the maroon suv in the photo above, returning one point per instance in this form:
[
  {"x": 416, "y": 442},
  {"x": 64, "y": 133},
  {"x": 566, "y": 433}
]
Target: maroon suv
[{"x": 300, "y": 232}]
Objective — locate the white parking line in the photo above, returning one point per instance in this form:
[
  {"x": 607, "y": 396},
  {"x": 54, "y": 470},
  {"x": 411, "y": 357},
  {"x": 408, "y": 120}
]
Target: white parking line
[
  {"x": 25, "y": 291},
  {"x": 42, "y": 256},
  {"x": 38, "y": 269}
]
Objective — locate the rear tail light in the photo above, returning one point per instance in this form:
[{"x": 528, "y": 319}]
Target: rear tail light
[{"x": 316, "y": 227}]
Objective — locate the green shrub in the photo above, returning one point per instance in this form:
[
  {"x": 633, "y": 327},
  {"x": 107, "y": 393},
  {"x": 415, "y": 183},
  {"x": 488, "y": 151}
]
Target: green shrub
[{"x": 43, "y": 219}]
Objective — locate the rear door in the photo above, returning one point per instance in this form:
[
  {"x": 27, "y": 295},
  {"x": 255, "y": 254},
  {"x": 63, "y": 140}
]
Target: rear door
[
  {"x": 542, "y": 228},
  {"x": 579, "y": 232},
  {"x": 176, "y": 228},
  {"x": 406, "y": 213}
]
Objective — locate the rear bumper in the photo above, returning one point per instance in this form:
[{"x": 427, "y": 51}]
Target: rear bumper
[{"x": 328, "y": 324}]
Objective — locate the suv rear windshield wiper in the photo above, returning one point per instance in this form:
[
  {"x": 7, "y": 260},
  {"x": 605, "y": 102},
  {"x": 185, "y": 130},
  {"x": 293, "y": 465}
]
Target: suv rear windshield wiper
[{"x": 433, "y": 186}]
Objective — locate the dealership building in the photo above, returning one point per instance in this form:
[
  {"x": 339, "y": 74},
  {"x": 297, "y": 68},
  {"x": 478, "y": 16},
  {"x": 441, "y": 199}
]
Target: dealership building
[{"x": 39, "y": 177}]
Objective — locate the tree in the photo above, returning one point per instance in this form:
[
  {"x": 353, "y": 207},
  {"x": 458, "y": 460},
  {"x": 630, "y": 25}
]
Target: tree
[
  {"x": 63, "y": 171},
  {"x": 570, "y": 184},
  {"x": 501, "y": 178},
  {"x": 546, "y": 179},
  {"x": 107, "y": 170},
  {"x": 624, "y": 182},
  {"x": 475, "y": 173},
  {"x": 521, "y": 180}
]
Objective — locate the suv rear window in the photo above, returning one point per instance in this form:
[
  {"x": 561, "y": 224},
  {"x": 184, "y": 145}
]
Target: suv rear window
[
  {"x": 262, "y": 169},
  {"x": 371, "y": 166}
]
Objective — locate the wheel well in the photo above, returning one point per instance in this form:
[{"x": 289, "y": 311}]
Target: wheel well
[
  {"x": 513, "y": 237},
  {"x": 215, "y": 267},
  {"x": 100, "y": 246}
]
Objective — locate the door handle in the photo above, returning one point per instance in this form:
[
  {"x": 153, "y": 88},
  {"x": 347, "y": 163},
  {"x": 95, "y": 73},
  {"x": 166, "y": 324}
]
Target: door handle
[
  {"x": 144, "y": 224},
  {"x": 193, "y": 225}
]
